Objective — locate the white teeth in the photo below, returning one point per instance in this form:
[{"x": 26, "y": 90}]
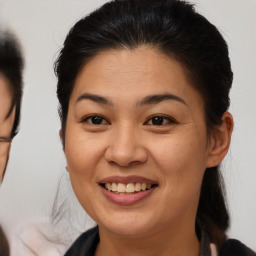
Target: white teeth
[
  {"x": 137, "y": 187},
  {"x": 121, "y": 188},
  {"x": 108, "y": 186},
  {"x": 127, "y": 188},
  {"x": 114, "y": 187}
]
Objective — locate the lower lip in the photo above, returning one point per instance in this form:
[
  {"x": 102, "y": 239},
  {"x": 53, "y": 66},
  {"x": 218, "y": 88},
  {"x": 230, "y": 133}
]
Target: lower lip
[{"x": 128, "y": 199}]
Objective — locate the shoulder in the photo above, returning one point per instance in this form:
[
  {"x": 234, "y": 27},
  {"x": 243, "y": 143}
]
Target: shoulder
[
  {"x": 233, "y": 247},
  {"x": 4, "y": 247},
  {"x": 85, "y": 244},
  {"x": 39, "y": 238}
]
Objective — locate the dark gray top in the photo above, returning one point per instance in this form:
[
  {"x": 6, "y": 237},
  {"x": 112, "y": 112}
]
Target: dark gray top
[
  {"x": 86, "y": 245},
  {"x": 4, "y": 247}
]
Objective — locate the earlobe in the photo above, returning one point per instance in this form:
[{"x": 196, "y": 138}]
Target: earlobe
[{"x": 220, "y": 140}]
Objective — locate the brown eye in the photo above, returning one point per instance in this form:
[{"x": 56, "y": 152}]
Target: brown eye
[
  {"x": 95, "y": 120},
  {"x": 159, "y": 120}
]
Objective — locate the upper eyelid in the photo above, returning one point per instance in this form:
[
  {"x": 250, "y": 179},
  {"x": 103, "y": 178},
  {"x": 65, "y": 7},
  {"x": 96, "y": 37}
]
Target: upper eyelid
[
  {"x": 84, "y": 118},
  {"x": 163, "y": 116}
]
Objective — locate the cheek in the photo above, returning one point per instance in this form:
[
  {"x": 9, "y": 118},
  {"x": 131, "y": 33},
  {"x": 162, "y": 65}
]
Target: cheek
[
  {"x": 81, "y": 160},
  {"x": 182, "y": 168},
  {"x": 85, "y": 161},
  {"x": 3, "y": 163},
  {"x": 182, "y": 161},
  {"x": 6, "y": 125},
  {"x": 82, "y": 154},
  {"x": 181, "y": 150}
]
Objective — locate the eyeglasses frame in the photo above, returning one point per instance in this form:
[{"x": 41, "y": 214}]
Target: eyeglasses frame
[{"x": 2, "y": 139}]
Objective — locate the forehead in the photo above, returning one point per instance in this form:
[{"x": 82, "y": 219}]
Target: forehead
[{"x": 134, "y": 73}]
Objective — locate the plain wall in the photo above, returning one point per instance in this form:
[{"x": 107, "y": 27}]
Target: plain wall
[{"x": 37, "y": 162}]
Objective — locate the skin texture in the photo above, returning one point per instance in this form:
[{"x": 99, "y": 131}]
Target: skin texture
[
  {"x": 6, "y": 124},
  {"x": 127, "y": 142}
]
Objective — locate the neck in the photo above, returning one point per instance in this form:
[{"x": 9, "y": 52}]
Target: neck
[{"x": 172, "y": 242}]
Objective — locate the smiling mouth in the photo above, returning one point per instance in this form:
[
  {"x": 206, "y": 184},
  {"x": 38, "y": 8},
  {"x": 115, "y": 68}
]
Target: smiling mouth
[{"x": 126, "y": 189}]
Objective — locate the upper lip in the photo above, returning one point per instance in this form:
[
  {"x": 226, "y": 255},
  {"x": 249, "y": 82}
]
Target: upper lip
[{"x": 127, "y": 179}]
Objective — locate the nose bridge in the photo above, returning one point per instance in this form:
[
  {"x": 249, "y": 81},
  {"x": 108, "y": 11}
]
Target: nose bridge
[
  {"x": 126, "y": 146},
  {"x": 125, "y": 138}
]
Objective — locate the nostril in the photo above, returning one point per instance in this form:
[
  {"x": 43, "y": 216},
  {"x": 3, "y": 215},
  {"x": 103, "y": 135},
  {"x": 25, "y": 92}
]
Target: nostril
[{"x": 125, "y": 164}]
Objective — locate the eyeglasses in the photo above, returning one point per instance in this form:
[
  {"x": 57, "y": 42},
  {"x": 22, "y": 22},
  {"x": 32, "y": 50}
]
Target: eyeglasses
[
  {"x": 4, "y": 151},
  {"x": 4, "y": 146},
  {"x": 2, "y": 139}
]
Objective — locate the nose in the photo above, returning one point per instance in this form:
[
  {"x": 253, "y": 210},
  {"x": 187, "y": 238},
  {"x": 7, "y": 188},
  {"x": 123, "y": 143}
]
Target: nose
[{"x": 126, "y": 148}]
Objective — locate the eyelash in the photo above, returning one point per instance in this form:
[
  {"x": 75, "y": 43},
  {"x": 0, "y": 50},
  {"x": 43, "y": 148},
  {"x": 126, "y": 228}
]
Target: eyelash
[
  {"x": 164, "y": 120},
  {"x": 88, "y": 119}
]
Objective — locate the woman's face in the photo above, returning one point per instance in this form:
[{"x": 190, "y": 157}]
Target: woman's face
[
  {"x": 6, "y": 124},
  {"x": 136, "y": 142}
]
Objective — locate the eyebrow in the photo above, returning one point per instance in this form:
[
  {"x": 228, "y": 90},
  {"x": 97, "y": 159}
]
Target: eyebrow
[
  {"x": 95, "y": 98},
  {"x": 148, "y": 100},
  {"x": 157, "y": 98}
]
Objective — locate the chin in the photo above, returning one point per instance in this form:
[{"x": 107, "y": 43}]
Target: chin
[
  {"x": 127, "y": 230},
  {"x": 127, "y": 226}
]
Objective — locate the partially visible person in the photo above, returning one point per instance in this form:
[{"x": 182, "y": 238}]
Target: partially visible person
[
  {"x": 11, "y": 66},
  {"x": 28, "y": 238},
  {"x": 38, "y": 238}
]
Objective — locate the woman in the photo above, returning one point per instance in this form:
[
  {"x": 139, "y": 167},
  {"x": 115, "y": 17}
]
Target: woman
[
  {"x": 144, "y": 88},
  {"x": 26, "y": 239},
  {"x": 11, "y": 65}
]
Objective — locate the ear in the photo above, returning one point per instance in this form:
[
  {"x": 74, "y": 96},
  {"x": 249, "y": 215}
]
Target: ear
[{"x": 220, "y": 140}]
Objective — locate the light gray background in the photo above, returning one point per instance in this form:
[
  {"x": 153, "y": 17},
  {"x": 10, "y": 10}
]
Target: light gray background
[{"x": 37, "y": 161}]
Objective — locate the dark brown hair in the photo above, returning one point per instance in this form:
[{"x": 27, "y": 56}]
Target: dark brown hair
[{"x": 11, "y": 66}]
